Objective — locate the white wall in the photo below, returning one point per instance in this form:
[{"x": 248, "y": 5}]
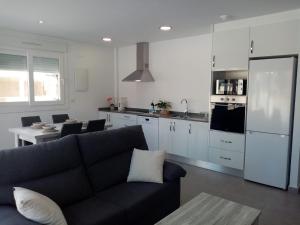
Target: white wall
[
  {"x": 181, "y": 69},
  {"x": 80, "y": 105}
]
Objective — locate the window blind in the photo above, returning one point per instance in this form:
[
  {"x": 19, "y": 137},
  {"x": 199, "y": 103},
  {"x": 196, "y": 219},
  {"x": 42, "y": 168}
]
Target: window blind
[
  {"x": 13, "y": 62},
  {"x": 46, "y": 65}
]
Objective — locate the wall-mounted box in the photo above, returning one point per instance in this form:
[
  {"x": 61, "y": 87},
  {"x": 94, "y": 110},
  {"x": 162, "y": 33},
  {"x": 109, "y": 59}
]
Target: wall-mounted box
[{"x": 81, "y": 79}]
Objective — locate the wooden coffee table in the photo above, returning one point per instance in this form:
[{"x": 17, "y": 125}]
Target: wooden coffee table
[{"x": 206, "y": 209}]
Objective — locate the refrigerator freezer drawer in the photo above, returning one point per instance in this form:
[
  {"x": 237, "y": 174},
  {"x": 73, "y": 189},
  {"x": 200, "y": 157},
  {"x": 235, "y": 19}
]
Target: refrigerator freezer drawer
[
  {"x": 266, "y": 159},
  {"x": 226, "y": 158}
]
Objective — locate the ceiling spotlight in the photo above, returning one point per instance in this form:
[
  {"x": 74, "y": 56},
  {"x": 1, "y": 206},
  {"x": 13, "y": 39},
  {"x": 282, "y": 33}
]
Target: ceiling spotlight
[
  {"x": 106, "y": 39},
  {"x": 41, "y": 21},
  {"x": 165, "y": 28},
  {"x": 225, "y": 17}
]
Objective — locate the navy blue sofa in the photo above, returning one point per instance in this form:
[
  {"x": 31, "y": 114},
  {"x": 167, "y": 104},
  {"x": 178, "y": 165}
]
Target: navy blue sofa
[{"x": 86, "y": 176}]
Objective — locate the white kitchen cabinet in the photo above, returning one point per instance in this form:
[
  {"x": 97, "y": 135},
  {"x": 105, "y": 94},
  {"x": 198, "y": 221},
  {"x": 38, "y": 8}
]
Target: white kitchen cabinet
[
  {"x": 120, "y": 120},
  {"x": 275, "y": 39},
  {"x": 227, "y": 149},
  {"x": 150, "y": 129},
  {"x": 165, "y": 135},
  {"x": 227, "y": 141},
  {"x": 107, "y": 116},
  {"x": 230, "y": 50},
  {"x": 226, "y": 158},
  {"x": 173, "y": 136},
  {"x": 184, "y": 138},
  {"x": 198, "y": 135},
  {"x": 180, "y": 138}
]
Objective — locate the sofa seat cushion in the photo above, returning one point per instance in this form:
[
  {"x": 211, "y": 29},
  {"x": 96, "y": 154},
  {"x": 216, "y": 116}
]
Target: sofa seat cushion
[
  {"x": 94, "y": 211},
  {"x": 138, "y": 199},
  {"x": 10, "y": 216}
]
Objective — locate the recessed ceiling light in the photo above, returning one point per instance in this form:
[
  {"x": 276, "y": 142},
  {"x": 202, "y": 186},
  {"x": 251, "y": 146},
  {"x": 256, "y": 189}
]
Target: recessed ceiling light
[
  {"x": 165, "y": 28},
  {"x": 41, "y": 21},
  {"x": 225, "y": 17},
  {"x": 106, "y": 39}
]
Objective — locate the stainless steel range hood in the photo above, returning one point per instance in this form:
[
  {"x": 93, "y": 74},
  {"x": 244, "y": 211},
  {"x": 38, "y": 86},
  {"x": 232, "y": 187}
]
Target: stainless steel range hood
[{"x": 142, "y": 72}]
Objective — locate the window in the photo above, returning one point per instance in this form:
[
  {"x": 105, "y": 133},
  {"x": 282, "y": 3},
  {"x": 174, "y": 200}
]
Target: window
[
  {"x": 46, "y": 78},
  {"x": 13, "y": 78},
  {"x": 32, "y": 77}
]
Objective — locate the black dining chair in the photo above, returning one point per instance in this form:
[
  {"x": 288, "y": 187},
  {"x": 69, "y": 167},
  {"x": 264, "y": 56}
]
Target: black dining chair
[
  {"x": 27, "y": 121},
  {"x": 60, "y": 118},
  {"x": 71, "y": 128},
  {"x": 95, "y": 125}
]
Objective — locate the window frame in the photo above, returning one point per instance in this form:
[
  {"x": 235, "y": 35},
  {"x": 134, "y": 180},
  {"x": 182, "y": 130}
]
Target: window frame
[
  {"x": 29, "y": 56},
  {"x": 60, "y": 57},
  {"x": 22, "y": 53}
]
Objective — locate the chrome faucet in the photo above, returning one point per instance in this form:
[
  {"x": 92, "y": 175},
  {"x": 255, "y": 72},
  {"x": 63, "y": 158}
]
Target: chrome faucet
[{"x": 186, "y": 111}]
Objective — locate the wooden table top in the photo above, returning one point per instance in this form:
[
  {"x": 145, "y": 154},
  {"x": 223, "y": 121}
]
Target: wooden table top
[{"x": 206, "y": 209}]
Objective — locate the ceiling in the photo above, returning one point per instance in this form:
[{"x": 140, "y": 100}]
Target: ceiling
[{"x": 128, "y": 21}]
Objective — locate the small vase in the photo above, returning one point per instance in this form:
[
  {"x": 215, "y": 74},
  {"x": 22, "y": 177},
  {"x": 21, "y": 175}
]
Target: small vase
[{"x": 164, "y": 112}]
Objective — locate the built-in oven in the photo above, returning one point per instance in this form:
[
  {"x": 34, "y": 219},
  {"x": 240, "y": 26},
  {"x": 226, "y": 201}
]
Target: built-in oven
[{"x": 228, "y": 113}]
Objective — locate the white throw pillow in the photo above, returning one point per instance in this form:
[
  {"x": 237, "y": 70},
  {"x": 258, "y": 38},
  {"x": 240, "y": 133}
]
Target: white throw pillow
[
  {"x": 37, "y": 207},
  {"x": 146, "y": 166}
]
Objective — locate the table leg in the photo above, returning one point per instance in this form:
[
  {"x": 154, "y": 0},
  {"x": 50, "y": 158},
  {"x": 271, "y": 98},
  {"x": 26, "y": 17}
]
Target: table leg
[{"x": 18, "y": 142}]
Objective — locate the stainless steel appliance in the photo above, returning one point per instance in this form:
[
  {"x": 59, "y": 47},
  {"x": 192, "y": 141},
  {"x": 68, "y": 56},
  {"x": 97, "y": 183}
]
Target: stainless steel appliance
[
  {"x": 230, "y": 87},
  {"x": 228, "y": 114},
  {"x": 269, "y": 120}
]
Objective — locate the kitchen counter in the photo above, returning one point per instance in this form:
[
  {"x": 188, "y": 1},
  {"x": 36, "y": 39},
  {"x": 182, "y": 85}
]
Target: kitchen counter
[{"x": 198, "y": 117}]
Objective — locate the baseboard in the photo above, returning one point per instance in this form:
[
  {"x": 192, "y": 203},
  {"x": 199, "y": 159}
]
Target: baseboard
[
  {"x": 294, "y": 190},
  {"x": 206, "y": 165}
]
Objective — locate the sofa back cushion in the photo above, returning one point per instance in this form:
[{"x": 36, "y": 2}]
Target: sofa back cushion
[
  {"x": 53, "y": 169},
  {"x": 107, "y": 154}
]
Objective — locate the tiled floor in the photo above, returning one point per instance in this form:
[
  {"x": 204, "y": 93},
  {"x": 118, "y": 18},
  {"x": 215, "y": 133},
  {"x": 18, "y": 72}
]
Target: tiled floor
[{"x": 278, "y": 207}]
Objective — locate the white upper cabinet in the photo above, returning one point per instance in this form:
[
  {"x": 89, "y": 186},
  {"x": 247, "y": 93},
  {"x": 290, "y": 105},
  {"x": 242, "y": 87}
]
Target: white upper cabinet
[
  {"x": 275, "y": 39},
  {"x": 230, "y": 50}
]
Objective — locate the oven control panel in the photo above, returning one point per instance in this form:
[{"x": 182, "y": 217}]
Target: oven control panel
[{"x": 228, "y": 99}]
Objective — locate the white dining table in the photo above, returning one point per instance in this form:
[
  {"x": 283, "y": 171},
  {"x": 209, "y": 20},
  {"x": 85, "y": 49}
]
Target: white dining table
[{"x": 34, "y": 135}]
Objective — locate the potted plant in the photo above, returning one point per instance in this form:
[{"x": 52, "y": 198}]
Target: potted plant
[
  {"x": 111, "y": 103},
  {"x": 164, "y": 107}
]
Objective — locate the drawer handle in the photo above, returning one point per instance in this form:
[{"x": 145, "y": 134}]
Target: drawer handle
[
  {"x": 226, "y": 158},
  {"x": 226, "y": 142},
  {"x": 147, "y": 119}
]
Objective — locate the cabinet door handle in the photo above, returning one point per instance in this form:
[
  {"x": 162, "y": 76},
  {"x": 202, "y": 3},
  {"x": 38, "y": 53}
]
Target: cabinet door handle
[
  {"x": 214, "y": 61},
  {"x": 226, "y": 142},
  {"x": 174, "y": 126},
  {"x": 252, "y": 47},
  {"x": 109, "y": 117},
  {"x": 190, "y": 128},
  {"x": 225, "y": 158},
  {"x": 170, "y": 126}
]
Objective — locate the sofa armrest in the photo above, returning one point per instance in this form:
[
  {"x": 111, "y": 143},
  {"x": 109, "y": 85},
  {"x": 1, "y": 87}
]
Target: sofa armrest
[{"x": 173, "y": 171}]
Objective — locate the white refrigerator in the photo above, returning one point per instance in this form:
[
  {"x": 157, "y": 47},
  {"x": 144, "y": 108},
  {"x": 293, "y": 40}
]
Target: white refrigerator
[{"x": 269, "y": 120}]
